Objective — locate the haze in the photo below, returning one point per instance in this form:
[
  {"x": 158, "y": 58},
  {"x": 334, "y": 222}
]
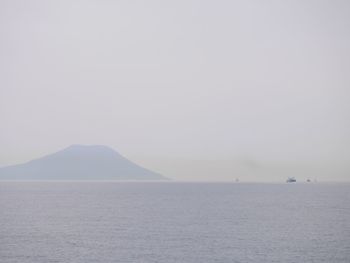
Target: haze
[{"x": 195, "y": 90}]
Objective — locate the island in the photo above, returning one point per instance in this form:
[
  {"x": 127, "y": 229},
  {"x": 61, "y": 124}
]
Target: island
[{"x": 80, "y": 162}]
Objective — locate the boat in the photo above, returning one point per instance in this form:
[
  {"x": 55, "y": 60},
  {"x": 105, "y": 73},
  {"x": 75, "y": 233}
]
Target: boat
[{"x": 291, "y": 180}]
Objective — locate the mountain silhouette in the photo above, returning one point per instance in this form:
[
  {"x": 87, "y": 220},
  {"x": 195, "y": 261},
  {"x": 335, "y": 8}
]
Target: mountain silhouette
[{"x": 80, "y": 162}]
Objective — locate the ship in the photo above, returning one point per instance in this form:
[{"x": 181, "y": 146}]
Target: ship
[{"x": 291, "y": 180}]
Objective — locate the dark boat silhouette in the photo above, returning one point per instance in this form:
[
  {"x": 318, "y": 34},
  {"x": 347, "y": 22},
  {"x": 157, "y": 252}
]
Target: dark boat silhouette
[{"x": 291, "y": 180}]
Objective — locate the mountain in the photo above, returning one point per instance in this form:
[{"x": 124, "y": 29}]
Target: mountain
[{"x": 80, "y": 162}]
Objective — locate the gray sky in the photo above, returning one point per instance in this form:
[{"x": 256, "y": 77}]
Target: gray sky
[{"x": 197, "y": 90}]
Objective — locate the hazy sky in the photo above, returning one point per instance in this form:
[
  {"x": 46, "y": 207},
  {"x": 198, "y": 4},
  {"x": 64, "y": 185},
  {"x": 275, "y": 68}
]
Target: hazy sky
[{"x": 184, "y": 87}]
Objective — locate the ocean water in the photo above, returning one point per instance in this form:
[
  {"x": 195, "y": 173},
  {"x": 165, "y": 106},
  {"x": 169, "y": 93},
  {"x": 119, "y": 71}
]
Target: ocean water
[{"x": 105, "y": 222}]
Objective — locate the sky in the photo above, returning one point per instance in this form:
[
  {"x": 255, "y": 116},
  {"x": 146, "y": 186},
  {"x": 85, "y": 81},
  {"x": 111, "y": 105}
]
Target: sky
[{"x": 196, "y": 90}]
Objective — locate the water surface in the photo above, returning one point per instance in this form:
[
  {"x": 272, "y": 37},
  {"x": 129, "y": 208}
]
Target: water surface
[{"x": 105, "y": 222}]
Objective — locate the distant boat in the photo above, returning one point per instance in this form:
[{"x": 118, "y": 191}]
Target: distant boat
[
  {"x": 308, "y": 180},
  {"x": 291, "y": 180}
]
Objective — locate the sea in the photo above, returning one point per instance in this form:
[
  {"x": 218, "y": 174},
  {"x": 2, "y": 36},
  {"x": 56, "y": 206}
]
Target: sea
[{"x": 102, "y": 222}]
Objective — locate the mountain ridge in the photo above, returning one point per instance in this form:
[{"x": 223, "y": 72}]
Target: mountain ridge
[{"x": 79, "y": 162}]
